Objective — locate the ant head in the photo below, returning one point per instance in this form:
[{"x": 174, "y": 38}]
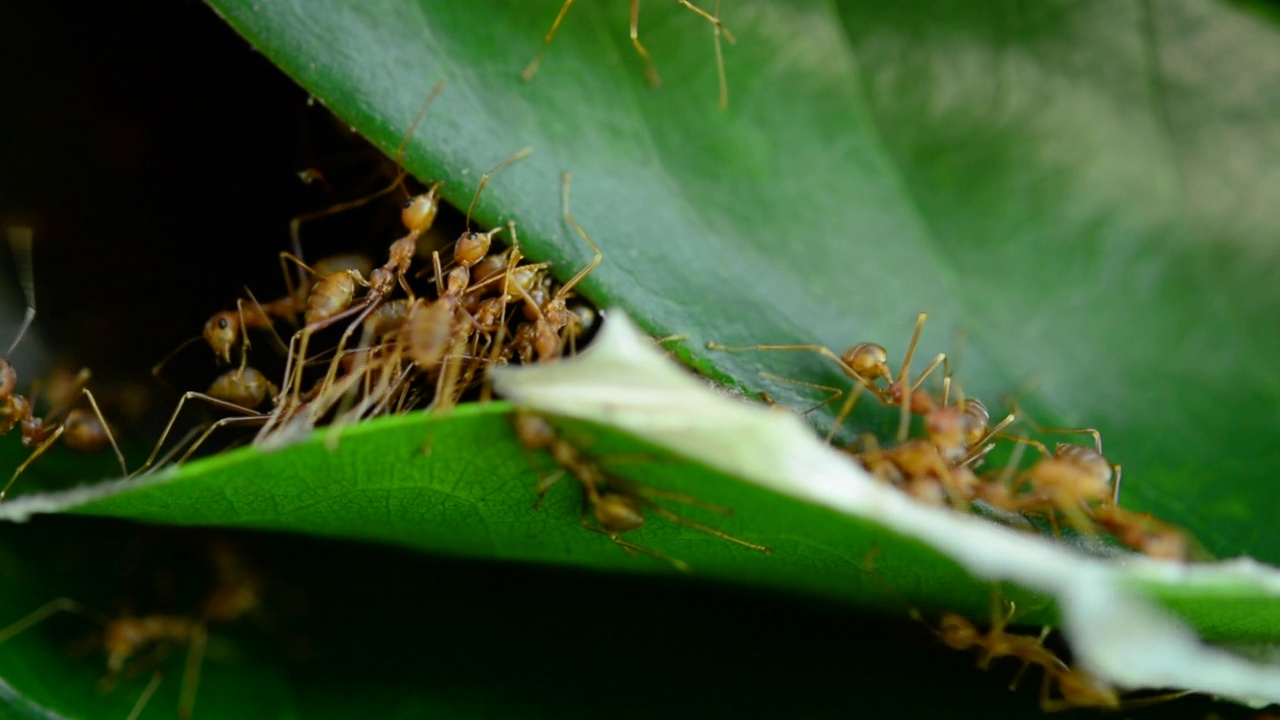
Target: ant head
[
  {"x": 472, "y": 247},
  {"x": 618, "y": 513},
  {"x": 8, "y": 379},
  {"x": 419, "y": 211},
  {"x": 220, "y": 332},
  {"x": 868, "y": 359}
]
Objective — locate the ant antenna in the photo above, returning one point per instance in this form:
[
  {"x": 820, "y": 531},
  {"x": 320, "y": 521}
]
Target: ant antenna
[
  {"x": 20, "y": 242},
  {"x": 484, "y": 179},
  {"x": 422, "y": 112},
  {"x": 564, "y": 201}
]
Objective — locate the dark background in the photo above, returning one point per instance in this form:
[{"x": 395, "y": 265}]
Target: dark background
[{"x": 156, "y": 155}]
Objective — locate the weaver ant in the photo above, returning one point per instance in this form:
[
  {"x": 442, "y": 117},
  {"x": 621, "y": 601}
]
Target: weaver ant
[
  {"x": 617, "y": 505},
  {"x": 549, "y": 312},
  {"x": 1076, "y": 688},
  {"x": 81, "y": 430},
  {"x": 133, "y": 641},
  {"x": 864, "y": 363}
]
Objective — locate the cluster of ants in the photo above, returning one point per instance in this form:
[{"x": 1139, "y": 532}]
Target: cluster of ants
[
  {"x": 1075, "y": 484},
  {"x": 368, "y": 340},
  {"x": 1072, "y": 484}
]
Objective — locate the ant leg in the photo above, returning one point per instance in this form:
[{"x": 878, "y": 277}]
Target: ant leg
[
  {"x": 981, "y": 448},
  {"x": 190, "y": 395},
  {"x": 630, "y": 547},
  {"x": 1097, "y": 436},
  {"x": 1022, "y": 440},
  {"x": 40, "y": 450},
  {"x": 911, "y": 349},
  {"x": 1115, "y": 490},
  {"x": 833, "y": 392},
  {"x": 106, "y": 429},
  {"x": 145, "y": 697},
  {"x": 191, "y": 672},
  {"x": 1026, "y": 663},
  {"x": 820, "y": 349},
  {"x": 650, "y": 72},
  {"x": 532, "y": 68},
  {"x": 675, "y": 517},
  {"x": 256, "y": 418},
  {"x": 269, "y": 324},
  {"x": 566, "y": 179},
  {"x": 723, "y": 103},
  {"x": 545, "y": 484},
  {"x": 295, "y": 235},
  {"x": 845, "y": 411},
  {"x": 713, "y": 19},
  {"x": 45, "y": 611}
]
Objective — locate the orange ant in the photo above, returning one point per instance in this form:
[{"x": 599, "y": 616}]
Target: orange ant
[
  {"x": 332, "y": 298},
  {"x": 81, "y": 430},
  {"x": 1072, "y": 479},
  {"x": 128, "y": 640},
  {"x": 617, "y": 505},
  {"x": 1077, "y": 688},
  {"x": 864, "y": 363},
  {"x": 240, "y": 391},
  {"x": 551, "y": 315},
  {"x": 651, "y": 72}
]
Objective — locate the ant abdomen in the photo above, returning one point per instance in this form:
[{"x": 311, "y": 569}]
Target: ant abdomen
[
  {"x": 246, "y": 387},
  {"x": 330, "y": 296},
  {"x": 1086, "y": 458},
  {"x": 83, "y": 431},
  {"x": 618, "y": 513}
]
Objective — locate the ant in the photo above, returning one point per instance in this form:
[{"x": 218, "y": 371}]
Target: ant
[
  {"x": 551, "y": 316},
  {"x": 1076, "y": 688},
  {"x": 617, "y": 505},
  {"x": 240, "y": 391},
  {"x": 651, "y": 72},
  {"x": 223, "y": 329},
  {"x": 864, "y": 363},
  {"x": 79, "y": 429},
  {"x": 129, "y": 641},
  {"x": 1072, "y": 480},
  {"x": 332, "y": 298}
]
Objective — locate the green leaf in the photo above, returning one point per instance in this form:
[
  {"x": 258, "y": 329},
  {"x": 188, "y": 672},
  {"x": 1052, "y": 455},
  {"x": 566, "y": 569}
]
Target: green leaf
[
  {"x": 1083, "y": 191},
  {"x": 1082, "y": 194}
]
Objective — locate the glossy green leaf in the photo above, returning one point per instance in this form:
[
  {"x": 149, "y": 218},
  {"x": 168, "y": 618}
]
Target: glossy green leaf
[
  {"x": 1082, "y": 196},
  {"x": 1081, "y": 191}
]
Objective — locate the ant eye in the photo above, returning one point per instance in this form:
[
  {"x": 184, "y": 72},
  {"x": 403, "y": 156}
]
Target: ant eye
[
  {"x": 408, "y": 203},
  {"x": 222, "y": 323}
]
